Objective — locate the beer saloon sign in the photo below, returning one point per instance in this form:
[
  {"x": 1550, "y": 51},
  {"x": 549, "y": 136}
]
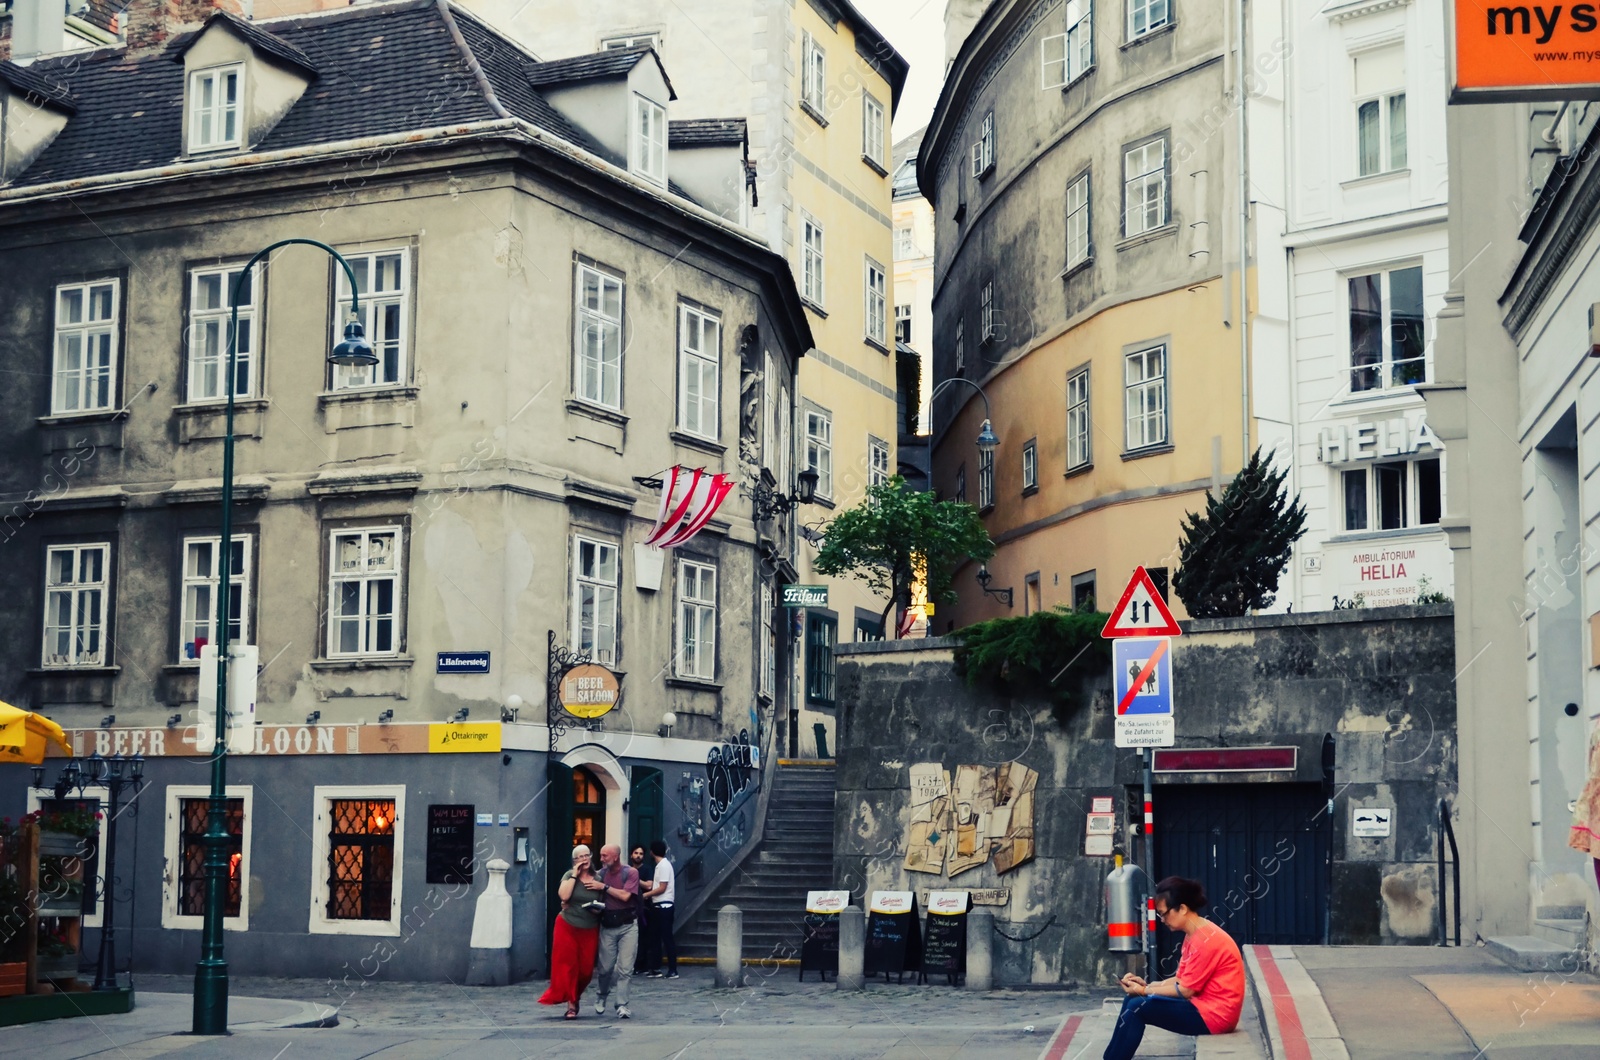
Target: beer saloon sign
[
  {"x": 589, "y": 691},
  {"x": 1511, "y": 52}
]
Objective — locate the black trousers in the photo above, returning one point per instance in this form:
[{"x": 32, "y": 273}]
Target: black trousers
[
  {"x": 661, "y": 917},
  {"x": 648, "y": 956}
]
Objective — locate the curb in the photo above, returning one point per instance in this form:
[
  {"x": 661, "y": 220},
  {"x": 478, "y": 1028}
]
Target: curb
[
  {"x": 1293, "y": 1014},
  {"x": 310, "y": 1015}
]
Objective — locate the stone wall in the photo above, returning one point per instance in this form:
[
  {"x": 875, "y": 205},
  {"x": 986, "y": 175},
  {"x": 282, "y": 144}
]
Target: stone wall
[{"x": 1380, "y": 681}]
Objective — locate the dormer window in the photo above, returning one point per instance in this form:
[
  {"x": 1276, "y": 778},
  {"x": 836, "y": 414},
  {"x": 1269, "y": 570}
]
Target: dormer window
[
  {"x": 647, "y": 149},
  {"x": 214, "y": 111}
]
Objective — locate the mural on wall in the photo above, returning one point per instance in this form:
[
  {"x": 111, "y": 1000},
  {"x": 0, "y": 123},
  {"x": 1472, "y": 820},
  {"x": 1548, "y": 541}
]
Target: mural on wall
[
  {"x": 988, "y": 814},
  {"x": 730, "y": 769}
]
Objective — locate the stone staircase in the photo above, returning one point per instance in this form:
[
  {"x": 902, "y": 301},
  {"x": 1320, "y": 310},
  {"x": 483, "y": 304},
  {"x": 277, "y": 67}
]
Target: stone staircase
[
  {"x": 1556, "y": 945},
  {"x": 795, "y": 855}
]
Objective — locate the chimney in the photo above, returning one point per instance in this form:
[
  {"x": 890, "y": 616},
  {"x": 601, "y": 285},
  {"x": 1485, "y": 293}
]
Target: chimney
[
  {"x": 150, "y": 24},
  {"x": 36, "y": 29},
  {"x": 959, "y": 18}
]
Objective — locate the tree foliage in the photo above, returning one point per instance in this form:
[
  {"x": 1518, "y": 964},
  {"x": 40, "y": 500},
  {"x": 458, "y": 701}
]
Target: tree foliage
[
  {"x": 1032, "y": 655},
  {"x": 1233, "y": 555},
  {"x": 896, "y": 535}
]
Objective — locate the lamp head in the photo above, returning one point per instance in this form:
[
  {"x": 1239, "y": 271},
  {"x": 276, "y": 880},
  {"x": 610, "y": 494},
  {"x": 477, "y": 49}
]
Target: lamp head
[
  {"x": 988, "y": 441},
  {"x": 136, "y": 768},
  {"x": 984, "y": 577},
  {"x": 38, "y": 777},
  {"x": 355, "y": 351},
  {"x": 805, "y": 486}
]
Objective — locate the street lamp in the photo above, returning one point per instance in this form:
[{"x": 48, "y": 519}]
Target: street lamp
[
  {"x": 984, "y": 578},
  {"x": 768, "y": 502},
  {"x": 116, "y": 774},
  {"x": 988, "y": 441},
  {"x": 211, "y": 973}
]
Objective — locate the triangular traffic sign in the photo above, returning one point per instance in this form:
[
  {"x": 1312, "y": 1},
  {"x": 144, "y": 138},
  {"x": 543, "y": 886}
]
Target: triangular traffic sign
[{"x": 1141, "y": 612}]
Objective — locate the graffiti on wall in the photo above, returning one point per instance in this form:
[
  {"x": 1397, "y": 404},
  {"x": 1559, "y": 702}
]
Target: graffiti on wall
[
  {"x": 691, "y": 800},
  {"x": 986, "y": 815},
  {"x": 730, "y": 769}
]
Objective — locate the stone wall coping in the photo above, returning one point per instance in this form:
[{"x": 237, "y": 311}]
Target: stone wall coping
[{"x": 1348, "y": 616}]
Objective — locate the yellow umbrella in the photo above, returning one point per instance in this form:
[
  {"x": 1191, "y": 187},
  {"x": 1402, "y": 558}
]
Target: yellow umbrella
[{"x": 24, "y": 736}]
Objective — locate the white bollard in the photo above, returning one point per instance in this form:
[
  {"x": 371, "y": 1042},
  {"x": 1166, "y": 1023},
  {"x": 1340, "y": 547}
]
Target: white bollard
[
  {"x": 980, "y": 949},
  {"x": 852, "y": 949},
  {"x": 730, "y": 945},
  {"x": 489, "y": 960}
]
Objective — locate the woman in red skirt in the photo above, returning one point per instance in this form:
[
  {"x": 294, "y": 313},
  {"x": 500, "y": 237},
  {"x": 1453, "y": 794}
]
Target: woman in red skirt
[{"x": 577, "y": 934}]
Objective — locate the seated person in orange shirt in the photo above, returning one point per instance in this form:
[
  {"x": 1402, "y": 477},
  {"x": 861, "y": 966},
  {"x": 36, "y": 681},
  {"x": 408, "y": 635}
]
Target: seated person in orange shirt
[{"x": 1207, "y": 993}]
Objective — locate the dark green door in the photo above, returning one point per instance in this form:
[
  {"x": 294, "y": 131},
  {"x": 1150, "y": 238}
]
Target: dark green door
[{"x": 644, "y": 806}]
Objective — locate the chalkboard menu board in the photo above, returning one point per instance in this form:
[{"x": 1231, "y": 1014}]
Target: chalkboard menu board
[
  {"x": 819, "y": 946},
  {"x": 450, "y": 843},
  {"x": 944, "y": 950},
  {"x": 894, "y": 938}
]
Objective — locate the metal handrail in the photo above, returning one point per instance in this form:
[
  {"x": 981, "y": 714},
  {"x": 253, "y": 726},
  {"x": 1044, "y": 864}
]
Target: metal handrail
[{"x": 1446, "y": 831}]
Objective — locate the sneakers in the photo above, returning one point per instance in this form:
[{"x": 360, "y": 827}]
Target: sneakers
[
  {"x": 623, "y": 1013},
  {"x": 674, "y": 975},
  {"x": 600, "y": 1007},
  {"x": 653, "y": 974}
]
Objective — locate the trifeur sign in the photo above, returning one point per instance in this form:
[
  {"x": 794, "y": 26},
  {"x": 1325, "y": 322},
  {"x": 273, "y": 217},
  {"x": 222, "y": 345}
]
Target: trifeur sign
[
  {"x": 805, "y": 596},
  {"x": 1511, "y": 52}
]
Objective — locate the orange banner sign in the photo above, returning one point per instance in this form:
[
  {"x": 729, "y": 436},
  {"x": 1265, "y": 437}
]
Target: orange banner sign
[{"x": 1506, "y": 52}]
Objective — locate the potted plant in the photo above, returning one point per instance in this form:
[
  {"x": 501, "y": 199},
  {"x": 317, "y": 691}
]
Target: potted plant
[
  {"x": 66, "y": 832},
  {"x": 57, "y": 957}
]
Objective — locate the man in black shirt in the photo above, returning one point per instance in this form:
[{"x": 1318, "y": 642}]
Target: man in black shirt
[{"x": 646, "y": 867}]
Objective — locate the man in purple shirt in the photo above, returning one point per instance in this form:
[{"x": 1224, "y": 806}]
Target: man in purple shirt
[{"x": 619, "y": 929}]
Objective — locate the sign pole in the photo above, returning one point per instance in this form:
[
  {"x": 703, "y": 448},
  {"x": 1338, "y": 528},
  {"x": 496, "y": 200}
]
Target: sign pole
[{"x": 1149, "y": 870}]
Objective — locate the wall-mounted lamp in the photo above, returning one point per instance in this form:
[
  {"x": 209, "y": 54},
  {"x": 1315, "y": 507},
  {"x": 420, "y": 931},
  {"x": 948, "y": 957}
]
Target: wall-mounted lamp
[
  {"x": 668, "y": 720},
  {"x": 172, "y": 722},
  {"x": 461, "y": 715},
  {"x": 386, "y": 716},
  {"x": 107, "y": 721},
  {"x": 768, "y": 502},
  {"x": 508, "y": 712},
  {"x": 984, "y": 578}
]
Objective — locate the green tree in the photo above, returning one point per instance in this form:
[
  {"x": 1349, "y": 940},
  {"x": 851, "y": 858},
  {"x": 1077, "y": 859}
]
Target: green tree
[
  {"x": 1233, "y": 555},
  {"x": 895, "y": 536}
]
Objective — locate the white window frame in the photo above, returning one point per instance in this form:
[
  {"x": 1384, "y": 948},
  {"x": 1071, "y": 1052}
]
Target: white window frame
[
  {"x": 1065, "y": 57},
  {"x": 983, "y": 149},
  {"x": 202, "y": 118},
  {"x": 961, "y": 346},
  {"x": 366, "y": 577},
  {"x": 597, "y": 379},
  {"x": 1140, "y": 173},
  {"x": 647, "y": 140},
  {"x": 1147, "y": 16},
  {"x": 819, "y": 448},
  {"x": 902, "y": 315},
  {"x": 322, "y": 796},
  {"x": 1134, "y": 390},
  {"x": 905, "y": 242},
  {"x": 768, "y": 641},
  {"x": 986, "y": 327},
  {"x": 1079, "y": 219},
  {"x": 701, "y": 364},
  {"x": 1368, "y": 469},
  {"x": 1030, "y": 465},
  {"x": 877, "y": 302},
  {"x": 605, "y": 654},
  {"x": 207, "y": 337},
  {"x": 878, "y": 471},
  {"x": 693, "y": 610},
  {"x": 102, "y": 331},
  {"x": 871, "y": 128},
  {"x": 390, "y": 308},
  {"x": 172, "y": 841},
  {"x": 1386, "y": 364},
  {"x": 624, "y": 41},
  {"x": 1387, "y": 163},
  {"x": 813, "y": 73},
  {"x": 75, "y": 589},
  {"x": 985, "y": 479},
  {"x": 812, "y": 262},
  {"x": 1080, "y": 442},
  {"x": 238, "y": 583},
  {"x": 100, "y": 794}
]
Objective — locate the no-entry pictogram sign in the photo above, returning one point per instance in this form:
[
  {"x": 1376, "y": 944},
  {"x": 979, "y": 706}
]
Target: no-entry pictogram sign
[{"x": 1141, "y": 612}]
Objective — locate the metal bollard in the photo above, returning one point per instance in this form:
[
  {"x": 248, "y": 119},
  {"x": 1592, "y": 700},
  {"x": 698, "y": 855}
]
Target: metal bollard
[
  {"x": 980, "y": 949},
  {"x": 730, "y": 945},
  {"x": 852, "y": 949}
]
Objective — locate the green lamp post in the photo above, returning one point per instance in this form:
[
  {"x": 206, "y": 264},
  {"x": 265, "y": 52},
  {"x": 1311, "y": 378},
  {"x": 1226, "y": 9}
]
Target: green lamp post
[{"x": 211, "y": 973}]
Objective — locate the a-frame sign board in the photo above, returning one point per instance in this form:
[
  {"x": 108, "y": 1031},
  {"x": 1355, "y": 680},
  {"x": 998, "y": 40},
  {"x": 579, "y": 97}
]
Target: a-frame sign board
[{"x": 1141, "y": 612}]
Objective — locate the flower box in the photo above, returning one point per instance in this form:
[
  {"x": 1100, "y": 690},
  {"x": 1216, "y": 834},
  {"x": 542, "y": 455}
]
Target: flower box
[
  {"x": 61, "y": 906},
  {"x": 63, "y": 845},
  {"x": 57, "y": 967},
  {"x": 13, "y": 979}
]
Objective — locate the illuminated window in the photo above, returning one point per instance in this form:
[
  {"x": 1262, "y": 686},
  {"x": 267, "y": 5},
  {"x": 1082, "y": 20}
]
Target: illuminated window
[
  {"x": 361, "y": 859},
  {"x": 194, "y": 814}
]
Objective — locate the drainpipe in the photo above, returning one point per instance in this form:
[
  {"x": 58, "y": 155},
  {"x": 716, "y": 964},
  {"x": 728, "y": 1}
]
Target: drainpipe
[{"x": 1244, "y": 239}]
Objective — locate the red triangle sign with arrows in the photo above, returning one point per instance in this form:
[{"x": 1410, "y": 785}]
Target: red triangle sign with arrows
[{"x": 1141, "y": 612}]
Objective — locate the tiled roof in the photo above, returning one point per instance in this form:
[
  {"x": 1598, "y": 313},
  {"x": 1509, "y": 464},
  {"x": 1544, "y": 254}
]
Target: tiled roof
[
  {"x": 614, "y": 62},
  {"x": 705, "y": 131},
  {"x": 257, "y": 37},
  {"x": 102, "y": 14},
  {"x": 382, "y": 69},
  {"x": 39, "y": 85}
]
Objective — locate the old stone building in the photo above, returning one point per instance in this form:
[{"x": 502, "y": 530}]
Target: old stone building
[{"x": 565, "y": 305}]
